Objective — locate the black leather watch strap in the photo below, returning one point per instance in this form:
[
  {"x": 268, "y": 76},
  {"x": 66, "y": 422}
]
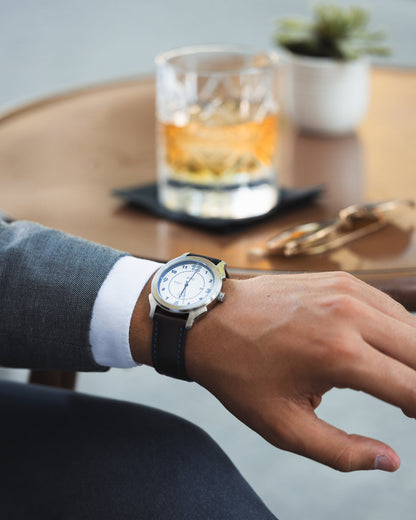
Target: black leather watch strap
[
  {"x": 215, "y": 261},
  {"x": 169, "y": 331}
]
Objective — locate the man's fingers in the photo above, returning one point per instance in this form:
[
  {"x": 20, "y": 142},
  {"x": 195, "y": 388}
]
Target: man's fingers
[
  {"x": 394, "y": 334},
  {"x": 379, "y": 375},
  {"x": 333, "y": 447},
  {"x": 390, "y": 336},
  {"x": 371, "y": 351}
]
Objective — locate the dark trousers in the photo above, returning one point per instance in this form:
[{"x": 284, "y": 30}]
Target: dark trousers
[{"x": 71, "y": 456}]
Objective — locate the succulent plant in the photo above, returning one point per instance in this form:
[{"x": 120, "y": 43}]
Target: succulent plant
[{"x": 334, "y": 32}]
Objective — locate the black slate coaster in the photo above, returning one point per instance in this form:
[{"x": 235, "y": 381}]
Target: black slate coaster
[{"x": 145, "y": 197}]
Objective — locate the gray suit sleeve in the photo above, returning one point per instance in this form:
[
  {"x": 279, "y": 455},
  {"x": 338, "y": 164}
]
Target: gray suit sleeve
[{"x": 48, "y": 285}]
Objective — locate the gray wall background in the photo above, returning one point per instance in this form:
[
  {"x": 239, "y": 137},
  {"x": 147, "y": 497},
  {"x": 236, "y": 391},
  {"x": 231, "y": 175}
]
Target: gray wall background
[{"x": 49, "y": 46}]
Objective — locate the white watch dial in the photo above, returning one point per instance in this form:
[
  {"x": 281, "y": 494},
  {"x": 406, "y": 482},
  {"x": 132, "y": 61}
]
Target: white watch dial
[{"x": 188, "y": 283}]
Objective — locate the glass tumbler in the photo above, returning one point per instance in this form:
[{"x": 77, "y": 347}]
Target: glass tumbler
[{"x": 217, "y": 131}]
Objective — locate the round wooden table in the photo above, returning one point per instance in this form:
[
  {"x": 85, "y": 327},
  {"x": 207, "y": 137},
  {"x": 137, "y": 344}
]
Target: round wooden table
[{"x": 60, "y": 159}]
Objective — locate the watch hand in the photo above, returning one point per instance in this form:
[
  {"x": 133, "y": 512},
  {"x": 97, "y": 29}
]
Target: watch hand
[
  {"x": 185, "y": 286},
  {"x": 183, "y": 291},
  {"x": 194, "y": 273},
  {"x": 187, "y": 281}
]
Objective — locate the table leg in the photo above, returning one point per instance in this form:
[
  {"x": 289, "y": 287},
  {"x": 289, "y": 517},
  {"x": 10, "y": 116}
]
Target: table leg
[{"x": 57, "y": 378}]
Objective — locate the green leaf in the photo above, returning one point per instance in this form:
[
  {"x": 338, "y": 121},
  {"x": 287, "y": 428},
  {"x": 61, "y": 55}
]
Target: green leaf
[{"x": 334, "y": 32}]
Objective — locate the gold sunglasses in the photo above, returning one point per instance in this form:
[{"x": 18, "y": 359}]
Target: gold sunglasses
[{"x": 352, "y": 223}]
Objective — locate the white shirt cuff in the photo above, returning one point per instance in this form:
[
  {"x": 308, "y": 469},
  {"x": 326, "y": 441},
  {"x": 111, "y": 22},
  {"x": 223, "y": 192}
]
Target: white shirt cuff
[{"x": 113, "y": 309}]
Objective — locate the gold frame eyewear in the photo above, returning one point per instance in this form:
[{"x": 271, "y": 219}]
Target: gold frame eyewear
[{"x": 353, "y": 222}]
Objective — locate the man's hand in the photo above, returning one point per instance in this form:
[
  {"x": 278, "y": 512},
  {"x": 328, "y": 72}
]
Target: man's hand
[{"x": 279, "y": 343}]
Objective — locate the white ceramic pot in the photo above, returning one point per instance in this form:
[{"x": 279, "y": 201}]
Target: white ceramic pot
[{"x": 323, "y": 95}]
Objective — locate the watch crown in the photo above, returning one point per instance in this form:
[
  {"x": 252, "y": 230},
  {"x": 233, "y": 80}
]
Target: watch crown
[{"x": 221, "y": 297}]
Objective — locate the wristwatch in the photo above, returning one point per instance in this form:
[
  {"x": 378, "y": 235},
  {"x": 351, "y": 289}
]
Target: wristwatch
[{"x": 182, "y": 290}]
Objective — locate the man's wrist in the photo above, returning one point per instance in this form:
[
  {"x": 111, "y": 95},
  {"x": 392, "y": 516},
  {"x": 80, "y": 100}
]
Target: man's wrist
[
  {"x": 204, "y": 361},
  {"x": 141, "y": 328},
  {"x": 201, "y": 355}
]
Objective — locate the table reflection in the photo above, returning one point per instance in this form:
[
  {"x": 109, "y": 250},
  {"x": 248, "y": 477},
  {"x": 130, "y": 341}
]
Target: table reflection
[{"x": 335, "y": 162}]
